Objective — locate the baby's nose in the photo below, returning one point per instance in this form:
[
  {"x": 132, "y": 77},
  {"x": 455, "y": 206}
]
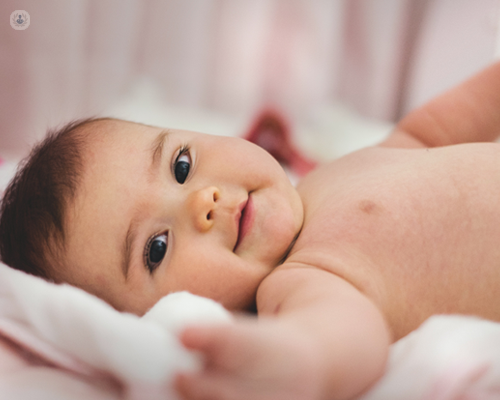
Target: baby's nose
[{"x": 203, "y": 203}]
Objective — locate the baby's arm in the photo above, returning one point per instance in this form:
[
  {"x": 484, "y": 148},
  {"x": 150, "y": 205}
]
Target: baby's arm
[
  {"x": 470, "y": 112},
  {"x": 317, "y": 337}
]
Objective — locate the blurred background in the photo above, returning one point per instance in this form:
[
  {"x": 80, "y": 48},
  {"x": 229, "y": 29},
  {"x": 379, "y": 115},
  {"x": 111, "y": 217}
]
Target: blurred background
[{"x": 340, "y": 71}]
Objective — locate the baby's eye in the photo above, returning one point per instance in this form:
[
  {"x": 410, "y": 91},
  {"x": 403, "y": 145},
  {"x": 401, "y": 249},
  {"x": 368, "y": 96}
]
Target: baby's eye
[
  {"x": 155, "y": 251},
  {"x": 182, "y": 165}
]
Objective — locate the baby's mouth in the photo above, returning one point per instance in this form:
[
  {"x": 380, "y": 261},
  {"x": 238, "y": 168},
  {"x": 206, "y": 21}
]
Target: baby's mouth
[{"x": 245, "y": 220}]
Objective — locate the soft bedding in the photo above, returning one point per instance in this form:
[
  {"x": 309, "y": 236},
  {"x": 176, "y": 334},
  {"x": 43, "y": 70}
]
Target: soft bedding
[
  {"x": 59, "y": 342},
  {"x": 449, "y": 357}
]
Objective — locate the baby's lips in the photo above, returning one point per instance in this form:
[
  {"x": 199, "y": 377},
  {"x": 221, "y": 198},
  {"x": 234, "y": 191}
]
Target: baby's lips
[{"x": 239, "y": 216}]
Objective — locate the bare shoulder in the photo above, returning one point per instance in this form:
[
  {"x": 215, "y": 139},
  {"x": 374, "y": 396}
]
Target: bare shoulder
[
  {"x": 292, "y": 281},
  {"x": 279, "y": 284},
  {"x": 297, "y": 286}
]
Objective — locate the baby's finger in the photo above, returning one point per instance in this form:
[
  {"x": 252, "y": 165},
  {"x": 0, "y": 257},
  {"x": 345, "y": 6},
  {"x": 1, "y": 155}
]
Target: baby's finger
[
  {"x": 209, "y": 387},
  {"x": 214, "y": 386},
  {"x": 222, "y": 345}
]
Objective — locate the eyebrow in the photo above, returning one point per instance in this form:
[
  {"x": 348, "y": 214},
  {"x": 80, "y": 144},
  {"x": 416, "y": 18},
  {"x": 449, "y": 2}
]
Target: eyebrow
[
  {"x": 156, "y": 151},
  {"x": 127, "y": 246}
]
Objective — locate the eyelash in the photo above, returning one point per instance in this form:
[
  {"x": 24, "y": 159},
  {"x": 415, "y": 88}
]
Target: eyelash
[
  {"x": 147, "y": 250},
  {"x": 184, "y": 150}
]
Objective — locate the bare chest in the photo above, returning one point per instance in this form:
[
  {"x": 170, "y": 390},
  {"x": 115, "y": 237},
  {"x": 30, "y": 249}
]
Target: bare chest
[{"x": 417, "y": 230}]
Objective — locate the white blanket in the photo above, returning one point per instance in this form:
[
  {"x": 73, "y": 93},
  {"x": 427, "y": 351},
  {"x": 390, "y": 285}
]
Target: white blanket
[{"x": 59, "y": 342}]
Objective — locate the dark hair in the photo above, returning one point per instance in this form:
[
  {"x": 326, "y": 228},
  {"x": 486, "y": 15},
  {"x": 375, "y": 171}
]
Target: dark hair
[{"x": 32, "y": 212}]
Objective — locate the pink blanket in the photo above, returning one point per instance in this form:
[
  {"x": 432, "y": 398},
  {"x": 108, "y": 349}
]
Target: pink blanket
[{"x": 448, "y": 358}]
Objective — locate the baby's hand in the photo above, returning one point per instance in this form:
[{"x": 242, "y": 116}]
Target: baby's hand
[{"x": 251, "y": 360}]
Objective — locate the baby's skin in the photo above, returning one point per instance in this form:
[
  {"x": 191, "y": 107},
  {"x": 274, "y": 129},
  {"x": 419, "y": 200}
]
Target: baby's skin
[{"x": 360, "y": 254}]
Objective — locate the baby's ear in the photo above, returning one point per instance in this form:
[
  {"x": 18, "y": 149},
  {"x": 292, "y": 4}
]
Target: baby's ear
[
  {"x": 177, "y": 310},
  {"x": 271, "y": 131}
]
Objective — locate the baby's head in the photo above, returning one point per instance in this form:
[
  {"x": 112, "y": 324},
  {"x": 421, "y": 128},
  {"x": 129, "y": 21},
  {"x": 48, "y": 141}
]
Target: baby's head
[{"x": 131, "y": 212}]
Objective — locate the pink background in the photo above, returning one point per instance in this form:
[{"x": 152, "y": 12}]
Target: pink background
[{"x": 379, "y": 57}]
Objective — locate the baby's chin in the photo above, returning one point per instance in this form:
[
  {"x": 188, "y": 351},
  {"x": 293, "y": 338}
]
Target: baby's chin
[
  {"x": 266, "y": 267},
  {"x": 289, "y": 232},
  {"x": 269, "y": 258}
]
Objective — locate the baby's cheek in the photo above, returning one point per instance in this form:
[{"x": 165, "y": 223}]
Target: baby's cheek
[{"x": 282, "y": 225}]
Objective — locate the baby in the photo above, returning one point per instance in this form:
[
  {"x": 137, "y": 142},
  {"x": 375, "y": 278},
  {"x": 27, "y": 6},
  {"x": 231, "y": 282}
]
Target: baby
[{"x": 357, "y": 256}]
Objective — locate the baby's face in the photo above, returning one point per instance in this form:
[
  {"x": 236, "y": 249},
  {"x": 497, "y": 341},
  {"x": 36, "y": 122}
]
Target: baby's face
[{"x": 160, "y": 211}]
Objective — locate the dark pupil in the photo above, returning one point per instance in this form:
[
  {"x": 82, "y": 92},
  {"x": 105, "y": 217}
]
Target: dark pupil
[
  {"x": 157, "y": 251},
  {"x": 181, "y": 171}
]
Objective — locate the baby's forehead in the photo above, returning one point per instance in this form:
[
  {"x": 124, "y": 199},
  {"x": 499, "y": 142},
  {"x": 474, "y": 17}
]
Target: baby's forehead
[
  {"x": 117, "y": 127},
  {"x": 117, "y": 130},
  {"x": 110, "y": 134}
]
